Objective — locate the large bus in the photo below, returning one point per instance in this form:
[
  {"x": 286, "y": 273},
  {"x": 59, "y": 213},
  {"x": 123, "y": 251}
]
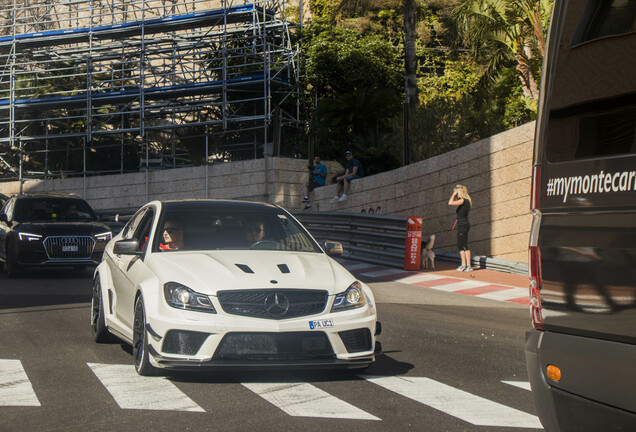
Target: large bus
[{"x": 581, "y": 351}]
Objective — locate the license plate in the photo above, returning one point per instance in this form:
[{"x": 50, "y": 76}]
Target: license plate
[
  {"x": 314, "y": 325},
  {"x": 69, "y": 248}
]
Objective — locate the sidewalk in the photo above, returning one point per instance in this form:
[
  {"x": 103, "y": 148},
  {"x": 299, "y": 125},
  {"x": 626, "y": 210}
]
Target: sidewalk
[{"x": 483, "y": 283}]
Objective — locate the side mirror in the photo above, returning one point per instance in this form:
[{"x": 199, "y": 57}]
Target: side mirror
[
  {"x": 127, "y": 247},
  {"x": 333, "y": 248}
]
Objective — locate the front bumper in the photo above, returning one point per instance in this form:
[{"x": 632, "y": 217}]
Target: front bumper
[
  {"x": 274, "y": 364},
  {"x": 212, "y": 341},
  {"x": 34, "y": 255},
  {"x": 573, "y": 404}
]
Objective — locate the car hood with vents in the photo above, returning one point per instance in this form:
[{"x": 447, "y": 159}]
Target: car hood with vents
[{"x": 212, "y": 271}]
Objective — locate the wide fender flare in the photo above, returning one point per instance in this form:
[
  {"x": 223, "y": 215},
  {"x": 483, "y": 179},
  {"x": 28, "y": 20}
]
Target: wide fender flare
[
  {"x": 103, "y": 273},
  {"x": 150, "y": 288}
]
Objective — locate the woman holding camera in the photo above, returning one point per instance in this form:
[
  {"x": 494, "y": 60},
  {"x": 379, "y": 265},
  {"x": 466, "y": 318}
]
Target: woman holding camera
[{"x": 463, "y": 202}]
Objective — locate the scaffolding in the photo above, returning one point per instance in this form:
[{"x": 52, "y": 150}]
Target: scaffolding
[{"x": 113, "y": 86}]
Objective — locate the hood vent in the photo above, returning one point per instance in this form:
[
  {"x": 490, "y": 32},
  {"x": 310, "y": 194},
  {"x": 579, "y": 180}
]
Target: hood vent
[
  {"x": 283, "y": 268},
  {"x": 245, "y": 268}
]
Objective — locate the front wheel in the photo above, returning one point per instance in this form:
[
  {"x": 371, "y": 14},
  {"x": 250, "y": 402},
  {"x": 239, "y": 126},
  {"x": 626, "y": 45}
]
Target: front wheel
[
  {"x": 98, "y": 322},
  {"x": 140, "y": 341}
]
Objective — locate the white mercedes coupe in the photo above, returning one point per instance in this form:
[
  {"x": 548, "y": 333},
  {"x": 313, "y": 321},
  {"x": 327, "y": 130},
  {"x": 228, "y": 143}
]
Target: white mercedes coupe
[{"x": 230, "y": 284}]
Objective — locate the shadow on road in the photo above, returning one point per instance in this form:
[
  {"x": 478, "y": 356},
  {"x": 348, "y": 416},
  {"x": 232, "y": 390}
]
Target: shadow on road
[
  {"x": 46, "y": 287},
  {"x": 384, "y": 365}
]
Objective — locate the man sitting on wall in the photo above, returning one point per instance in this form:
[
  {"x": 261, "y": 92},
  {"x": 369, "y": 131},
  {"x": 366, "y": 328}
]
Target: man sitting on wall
[
  {"x": 317, "y": 177},
  {"x": 354, "y": 170}
]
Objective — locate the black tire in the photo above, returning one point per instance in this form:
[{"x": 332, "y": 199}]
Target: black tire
[
  {"x": 98, "y": 323},
  {"x": 140, "y": 341},
  {"x": 12, "y": 268}
]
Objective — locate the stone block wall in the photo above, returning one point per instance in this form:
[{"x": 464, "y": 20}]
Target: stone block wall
[
  {"x": 249, "y": 180},
  {"x": 497, "y": 172}
]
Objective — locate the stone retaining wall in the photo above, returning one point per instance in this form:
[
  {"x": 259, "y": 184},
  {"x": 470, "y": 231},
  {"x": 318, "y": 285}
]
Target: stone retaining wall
[{"x": 497, "y": 172}]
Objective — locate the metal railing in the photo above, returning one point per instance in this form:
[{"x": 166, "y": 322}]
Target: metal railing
[{"x": 376, "y": 239}]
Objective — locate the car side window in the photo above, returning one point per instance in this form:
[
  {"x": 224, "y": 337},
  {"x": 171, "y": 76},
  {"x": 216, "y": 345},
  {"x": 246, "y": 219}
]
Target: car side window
[
  {"x": 133, "y": 224},
  {"x": 142, "y": 233},
  {"x": 8, "y": 208}
]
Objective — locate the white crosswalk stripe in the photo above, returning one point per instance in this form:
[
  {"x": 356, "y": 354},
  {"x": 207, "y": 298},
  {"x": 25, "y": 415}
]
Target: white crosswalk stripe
[
  {"x": 301, "y": 399},
  {"x": 132, "y": 391},
  {"x": 15, "y": 387},
  {"x": 296, "y": 398},
  {"x": 458, "y": 403},
  {"x": 456, "y": 286},
  {"x": 421, "y": 277},
  {"x": 521, "y": 384},
  {"x": 508, "y": 294}
]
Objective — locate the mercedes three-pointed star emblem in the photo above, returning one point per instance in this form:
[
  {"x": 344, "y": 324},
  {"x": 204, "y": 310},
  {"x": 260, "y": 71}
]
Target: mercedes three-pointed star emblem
[{"x": 276, "y": 305}]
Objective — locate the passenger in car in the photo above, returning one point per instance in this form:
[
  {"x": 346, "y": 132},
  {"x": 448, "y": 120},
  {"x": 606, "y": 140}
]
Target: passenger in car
[{"x": 172, "y": 235}]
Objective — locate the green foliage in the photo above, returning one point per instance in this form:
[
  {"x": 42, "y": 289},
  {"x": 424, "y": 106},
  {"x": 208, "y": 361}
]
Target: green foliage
[
  {"x": 471, "y": 55},
  {"x": 357, "y": 83},
  {"x": 322, "y": 9},
  {"x": 340, "y": 60},
  {"x": 457, "y": 80},
  {"x": 507, "y": 33}
]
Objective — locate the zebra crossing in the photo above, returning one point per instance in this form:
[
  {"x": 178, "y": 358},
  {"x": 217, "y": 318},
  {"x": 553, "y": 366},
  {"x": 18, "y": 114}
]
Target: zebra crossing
[
  {"x": 296, "y": 398},
  {"x": 499, "y": 292}
]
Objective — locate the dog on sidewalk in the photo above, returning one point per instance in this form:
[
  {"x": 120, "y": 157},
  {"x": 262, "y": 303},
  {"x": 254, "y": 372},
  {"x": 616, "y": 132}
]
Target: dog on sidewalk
[{"x": 427, "y": 255}]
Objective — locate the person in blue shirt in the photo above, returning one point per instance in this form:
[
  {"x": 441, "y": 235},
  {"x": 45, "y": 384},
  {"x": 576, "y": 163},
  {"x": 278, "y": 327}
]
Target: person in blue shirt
[
  {"x": 317, "y": 177},
  {"x": 354, "y": 170}
]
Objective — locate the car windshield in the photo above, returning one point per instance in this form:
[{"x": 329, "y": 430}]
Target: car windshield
[
  {"x": 52, "y": 209},
  {"x": 203, "y": 229}
]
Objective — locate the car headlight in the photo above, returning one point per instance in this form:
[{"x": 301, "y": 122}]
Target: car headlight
[
  {"x": 181, "y": 297},
  {"x": 29, "y": 237},
  {"x": 352, "y": 298},
  {"x": 105, "y": 236}
]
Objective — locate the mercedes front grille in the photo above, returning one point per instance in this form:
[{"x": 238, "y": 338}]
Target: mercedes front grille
[{"x": 273, "y": 304}]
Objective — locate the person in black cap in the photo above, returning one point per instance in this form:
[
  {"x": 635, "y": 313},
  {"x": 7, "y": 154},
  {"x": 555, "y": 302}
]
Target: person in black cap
[{"x": 354, "y": 171}]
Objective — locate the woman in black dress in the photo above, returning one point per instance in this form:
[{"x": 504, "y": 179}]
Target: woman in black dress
[{"x": 462, "y": 201}]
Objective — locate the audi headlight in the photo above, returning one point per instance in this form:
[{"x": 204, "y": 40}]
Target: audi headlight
[
  {"x": 29, "y": 237},
  {"x": 352, "y": 298},
  {"x": 181, "y": 297},
  {"x": 105, "y": 236}
]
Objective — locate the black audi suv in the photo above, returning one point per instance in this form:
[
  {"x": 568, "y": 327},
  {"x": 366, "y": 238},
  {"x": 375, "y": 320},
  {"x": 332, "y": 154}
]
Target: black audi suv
[{"x": 41, "y": 230}]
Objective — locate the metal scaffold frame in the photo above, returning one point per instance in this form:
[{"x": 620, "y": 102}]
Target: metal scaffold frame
[{"x": 113, "y": 86}]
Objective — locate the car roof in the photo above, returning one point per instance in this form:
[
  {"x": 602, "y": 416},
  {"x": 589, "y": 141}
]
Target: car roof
[
  {"x": 195, "y": 204},
  {"x": 47, "y": 195}
]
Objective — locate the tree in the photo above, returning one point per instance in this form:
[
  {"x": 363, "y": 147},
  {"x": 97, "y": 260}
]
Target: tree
[
  {"x": 507, "y": 30},
  {"x": 357, "y": 83}
]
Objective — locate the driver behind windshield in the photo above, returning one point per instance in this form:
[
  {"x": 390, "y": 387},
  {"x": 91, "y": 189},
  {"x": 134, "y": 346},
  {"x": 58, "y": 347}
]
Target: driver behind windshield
[
  {"x": 73, "y": 213},
  {"x": 254, "y": 231}
]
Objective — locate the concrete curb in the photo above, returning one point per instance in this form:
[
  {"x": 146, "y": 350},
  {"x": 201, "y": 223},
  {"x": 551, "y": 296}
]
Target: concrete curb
[{"x": 489, "y": 263}]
